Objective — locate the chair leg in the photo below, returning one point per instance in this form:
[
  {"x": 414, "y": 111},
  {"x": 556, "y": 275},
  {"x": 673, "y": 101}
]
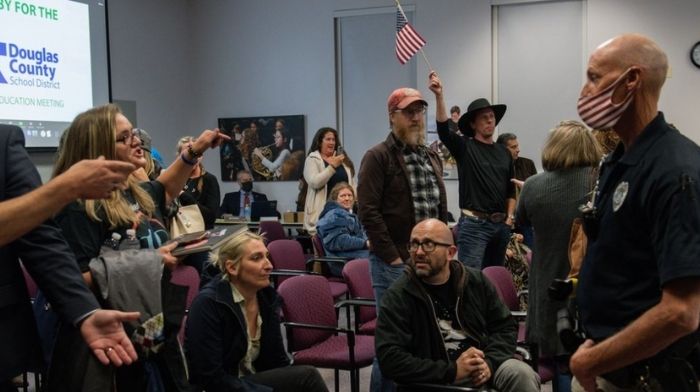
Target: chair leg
[
  {"x": 353, "y": 381},
  {"x": 337, "y": 382}
]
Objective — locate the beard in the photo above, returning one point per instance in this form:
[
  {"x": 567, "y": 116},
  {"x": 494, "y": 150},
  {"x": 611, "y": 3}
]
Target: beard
[{"x": 412, "y": 135}]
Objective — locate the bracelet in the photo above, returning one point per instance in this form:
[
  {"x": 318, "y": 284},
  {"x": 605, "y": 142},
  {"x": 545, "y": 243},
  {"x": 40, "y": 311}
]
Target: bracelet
[
  {"x": 187, "y": 161},
  {"x": 192, "y": 153}
]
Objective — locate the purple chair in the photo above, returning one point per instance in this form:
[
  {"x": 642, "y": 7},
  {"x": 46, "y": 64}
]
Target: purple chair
[
  {"x": 323, "y": 259},
  {"x": 357, "y": 276},
  {"x": 272, "y": 230},
  {"x": 288, "y": 259},
  {"x": 313, "y": 335},
  {"x": 502, "y": 280},
  {"x": 185, "y": 275}
]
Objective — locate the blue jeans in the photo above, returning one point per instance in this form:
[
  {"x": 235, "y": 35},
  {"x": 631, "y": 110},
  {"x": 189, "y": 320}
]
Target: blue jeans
[
  {"x": 383, "y": 275},
  {"x": 481, "y": 243}
]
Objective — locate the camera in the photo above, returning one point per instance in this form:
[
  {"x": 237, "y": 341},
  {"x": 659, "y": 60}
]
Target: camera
[{"x": 568, "y": 330}]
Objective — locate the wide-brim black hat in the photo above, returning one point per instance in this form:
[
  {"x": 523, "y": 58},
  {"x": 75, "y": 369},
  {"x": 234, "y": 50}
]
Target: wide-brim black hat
[{"x": 481, "y": 103}]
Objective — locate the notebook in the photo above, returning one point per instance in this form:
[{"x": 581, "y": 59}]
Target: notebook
[
  {"x": 204, "y": 241},
  {"x": 261, "y": 209}
]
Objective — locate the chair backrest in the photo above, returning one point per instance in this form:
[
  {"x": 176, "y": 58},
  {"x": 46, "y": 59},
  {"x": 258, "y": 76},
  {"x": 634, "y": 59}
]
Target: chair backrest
[
  {"x": 357, "y": 276},
  {"x": 185, "y": 275},
  {"x": 502, "y": 279},
  {"x": 287, "y": 254},
  {"x": 307, "y": 299},
  {"x": 318, "y": 245},
  {"x": 272, "y": 230}
]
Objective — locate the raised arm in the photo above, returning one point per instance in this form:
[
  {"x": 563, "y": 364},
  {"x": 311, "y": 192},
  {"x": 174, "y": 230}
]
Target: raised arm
[{"x": 175, "y": 177}]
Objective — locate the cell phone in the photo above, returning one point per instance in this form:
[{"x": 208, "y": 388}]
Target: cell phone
[{"x": 340, "y": 150}]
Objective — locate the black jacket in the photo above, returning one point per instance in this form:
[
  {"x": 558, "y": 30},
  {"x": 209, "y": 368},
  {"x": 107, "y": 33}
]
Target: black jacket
[
  {"x": 408, "y": 342},
  {"x": 385, "y": 199},
  {"x": 45, "y": 254},
  {"x": 216, "y": 338}
]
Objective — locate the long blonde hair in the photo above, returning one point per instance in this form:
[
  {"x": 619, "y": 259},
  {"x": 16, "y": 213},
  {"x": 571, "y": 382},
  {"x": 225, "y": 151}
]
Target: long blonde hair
[{"x": 93, "y": 134}]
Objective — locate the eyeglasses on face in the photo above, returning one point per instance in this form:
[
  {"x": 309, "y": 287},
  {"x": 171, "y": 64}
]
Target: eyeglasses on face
[
  {"x": 128, "y": 139},
  {"x": 412, "y": 112},
  {"x": 427, "y": 245}
]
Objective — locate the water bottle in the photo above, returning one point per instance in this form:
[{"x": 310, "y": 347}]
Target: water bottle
[
  {"x": 131, "y": 242},
  {"x": 113, "y": 241}
]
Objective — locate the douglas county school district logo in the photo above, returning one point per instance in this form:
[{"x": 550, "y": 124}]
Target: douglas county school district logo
[
  {"x": 620, "y": 195},
  {"x": 29, "y": 66}
]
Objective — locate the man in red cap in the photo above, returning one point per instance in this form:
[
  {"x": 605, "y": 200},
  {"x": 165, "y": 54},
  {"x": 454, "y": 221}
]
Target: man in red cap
[
  {"x": 400, "y": 184},
  {"x": 486, "y": 194}
]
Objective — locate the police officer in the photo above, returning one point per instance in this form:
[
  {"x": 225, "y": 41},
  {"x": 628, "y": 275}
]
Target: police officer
[{"x": 639, "y": 287}]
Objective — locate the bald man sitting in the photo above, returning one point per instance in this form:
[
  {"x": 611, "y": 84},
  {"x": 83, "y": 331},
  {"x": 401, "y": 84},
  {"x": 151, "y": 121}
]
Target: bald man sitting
[{"x": 442, "y": 322}]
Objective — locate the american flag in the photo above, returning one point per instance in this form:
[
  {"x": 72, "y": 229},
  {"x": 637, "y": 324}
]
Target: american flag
[{"x": 408, "y": 41}]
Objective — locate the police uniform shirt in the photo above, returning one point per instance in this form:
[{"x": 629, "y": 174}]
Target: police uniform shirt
[{"x": 649, "y": 228}]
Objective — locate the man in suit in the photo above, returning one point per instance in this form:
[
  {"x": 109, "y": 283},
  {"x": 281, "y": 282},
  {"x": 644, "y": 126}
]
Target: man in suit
[
  {"x": 234, "y": 202},
  {"x": 24, "y": 206}
]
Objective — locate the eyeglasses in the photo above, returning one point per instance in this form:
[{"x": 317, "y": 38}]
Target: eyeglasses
[
  {"x": 129, "y": 139},
  {"x": 410, "y": 113},
  {"x": 427, "y": 245}
]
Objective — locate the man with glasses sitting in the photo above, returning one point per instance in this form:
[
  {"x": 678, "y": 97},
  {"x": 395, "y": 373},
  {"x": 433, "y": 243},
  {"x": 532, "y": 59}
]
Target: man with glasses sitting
[{"x": 443, "y": 323}]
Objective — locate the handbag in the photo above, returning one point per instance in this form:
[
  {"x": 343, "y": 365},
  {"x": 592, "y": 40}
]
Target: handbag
[
  {"x": 188, "y": 219},
  {"x": 577, "y": 247}
]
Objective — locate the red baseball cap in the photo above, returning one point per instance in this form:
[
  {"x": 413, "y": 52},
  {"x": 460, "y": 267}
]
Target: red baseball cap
[{"x": 402, "y": 97}]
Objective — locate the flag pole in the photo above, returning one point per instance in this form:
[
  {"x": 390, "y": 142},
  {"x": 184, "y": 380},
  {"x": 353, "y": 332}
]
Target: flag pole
[{"x": 430, "y": 67}]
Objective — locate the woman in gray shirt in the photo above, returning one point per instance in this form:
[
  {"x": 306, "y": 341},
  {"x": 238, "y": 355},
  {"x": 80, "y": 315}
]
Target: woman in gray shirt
[{"x": 549, "y": 202}]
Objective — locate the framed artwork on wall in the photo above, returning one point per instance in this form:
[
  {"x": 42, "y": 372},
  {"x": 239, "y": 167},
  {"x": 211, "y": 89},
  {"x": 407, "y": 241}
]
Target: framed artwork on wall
[{"x": 271, "y": 148}]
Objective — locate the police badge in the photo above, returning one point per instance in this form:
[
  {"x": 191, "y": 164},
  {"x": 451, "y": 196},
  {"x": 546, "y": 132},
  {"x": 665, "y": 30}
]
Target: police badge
[{"x": 620, "y": 195}]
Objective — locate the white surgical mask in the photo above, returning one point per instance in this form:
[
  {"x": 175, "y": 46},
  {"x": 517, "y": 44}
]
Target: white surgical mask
[{"x": 599, "y": 111}]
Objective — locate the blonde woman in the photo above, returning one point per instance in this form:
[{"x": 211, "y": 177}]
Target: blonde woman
[
  {"x": 233, "y": 338},
  {"x": 88, "y": 224},
  {"x": 549, "y": 202}
]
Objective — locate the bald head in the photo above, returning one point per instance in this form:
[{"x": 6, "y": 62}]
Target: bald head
[
  {"x": 434, "y": 229},
  {"x": 636, "y": 50}
]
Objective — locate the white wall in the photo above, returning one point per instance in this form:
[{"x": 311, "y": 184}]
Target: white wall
[
  {"x": 187, "y": 63},
  {"x": 151, "y": 59}
]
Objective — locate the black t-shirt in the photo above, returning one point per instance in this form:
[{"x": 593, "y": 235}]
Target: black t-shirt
[
  {"x": 339, "y": 176},
  {"x": 484, "y": 171},
  {"x": 444, "y": 301},
  {"x": 647, "y": 234},
  {"x": 86, "y": 236}
]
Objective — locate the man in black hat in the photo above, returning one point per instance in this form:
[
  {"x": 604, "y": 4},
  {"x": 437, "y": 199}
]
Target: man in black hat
[{"x": 486, "y": 194}]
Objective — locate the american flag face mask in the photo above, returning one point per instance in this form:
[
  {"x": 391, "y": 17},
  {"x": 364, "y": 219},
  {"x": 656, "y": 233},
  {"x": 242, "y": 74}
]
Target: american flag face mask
[{"x": 599, "y": 111}]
